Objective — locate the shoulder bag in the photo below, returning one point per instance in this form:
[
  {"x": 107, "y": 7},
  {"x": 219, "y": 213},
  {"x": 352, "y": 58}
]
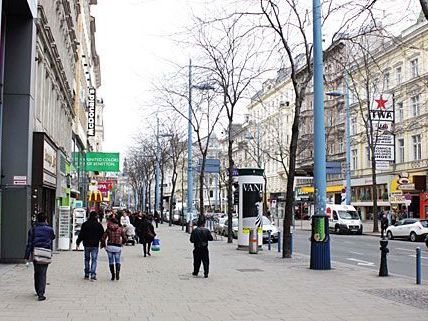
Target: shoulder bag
[{"x": 40, "y": 254}]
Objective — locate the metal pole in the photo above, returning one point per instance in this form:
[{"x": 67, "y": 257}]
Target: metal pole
[
  {"x": 418, "y": 266},
  {"x": 258, "y": 144},
  {"x": 348, "y": 142},
  {"x": 269, "y": 240},
  {"x": 279, "y": 241},
  {"x": 215, "y": 191},
  {"x": 189, "y": 154},
  {"x": 320, "y": 248},
  {"x": 157, "y": 174}
]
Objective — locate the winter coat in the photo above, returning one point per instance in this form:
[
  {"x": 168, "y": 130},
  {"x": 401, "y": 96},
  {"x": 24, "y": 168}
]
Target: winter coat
[
  {"x": 40, "y": 235},
  {"x": 200, "y": 237},
  {"x": 147, "y": 231},
  {"x": 114, "y": 234},
  {"x": 91, "y": 233}
]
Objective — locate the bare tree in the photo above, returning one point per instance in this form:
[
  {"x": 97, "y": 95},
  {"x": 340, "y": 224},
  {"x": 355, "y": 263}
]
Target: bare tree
[{"x": 235, "y": 58}]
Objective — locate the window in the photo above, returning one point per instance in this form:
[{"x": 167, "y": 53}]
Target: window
[
  {"x": 341, "y": 145},
  {"x": 353, "y": 126},
  {"x": 368, "y": 160},
  {"x": 398, "y": 75},
  {"x": 414, "y": 67},
  {"x": 416, "y": 142},
  {"x": 400, "y": 143},
  {"x": 414, "y": 101},
  {"x": 354, "y": 159},
  {"x": 400, "y": 108},
  {"x": 386, "y": 81}
]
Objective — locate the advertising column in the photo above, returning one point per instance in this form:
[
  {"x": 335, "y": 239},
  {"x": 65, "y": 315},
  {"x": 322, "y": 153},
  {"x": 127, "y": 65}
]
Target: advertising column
[{"x": 250, "y": 208}]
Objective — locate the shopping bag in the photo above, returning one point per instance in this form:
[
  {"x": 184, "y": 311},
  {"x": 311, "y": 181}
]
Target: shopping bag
[{"x": 156, "y": 245}]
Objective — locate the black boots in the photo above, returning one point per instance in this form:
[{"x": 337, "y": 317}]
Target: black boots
[
  {"x": 112, "y": 272},
  {"x": 117, "y": 271}
]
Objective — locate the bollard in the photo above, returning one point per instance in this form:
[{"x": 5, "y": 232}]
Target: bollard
[
  {"x": 383, "y": 269},
  {"x": 279, "y": 241},
  {"x": 269, "y": 240},
  {"x": 253, "y": 241},
  {"x": 418, "y": 266}
]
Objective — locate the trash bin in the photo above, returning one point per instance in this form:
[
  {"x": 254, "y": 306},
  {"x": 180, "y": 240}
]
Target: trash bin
[{"x": 252, "y": 244}]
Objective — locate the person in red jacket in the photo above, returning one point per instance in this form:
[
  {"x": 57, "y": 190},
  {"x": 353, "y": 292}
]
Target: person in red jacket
[{"x": 115, "y": 237}]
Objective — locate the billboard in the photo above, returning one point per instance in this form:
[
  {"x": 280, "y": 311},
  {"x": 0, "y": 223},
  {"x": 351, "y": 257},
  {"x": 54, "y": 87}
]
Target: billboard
[{"x": 102, "y": 162}]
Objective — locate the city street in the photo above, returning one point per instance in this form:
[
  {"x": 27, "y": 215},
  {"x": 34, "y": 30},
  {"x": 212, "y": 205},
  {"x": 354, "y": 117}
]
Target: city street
[
  {"x": 240, "y": 287},
  {"x": 363, "y": 250}
]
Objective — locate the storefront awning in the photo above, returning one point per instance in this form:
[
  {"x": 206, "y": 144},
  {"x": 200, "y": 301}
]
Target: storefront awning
[{"x": 330, "y": 189}]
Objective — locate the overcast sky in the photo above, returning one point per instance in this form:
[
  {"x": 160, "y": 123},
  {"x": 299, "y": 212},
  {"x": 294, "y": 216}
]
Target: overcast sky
[{"x": 134, "y": 42}]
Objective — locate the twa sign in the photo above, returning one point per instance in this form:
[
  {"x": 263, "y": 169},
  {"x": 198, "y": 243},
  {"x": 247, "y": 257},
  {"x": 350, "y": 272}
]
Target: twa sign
[{"x": 383, "y": 109}]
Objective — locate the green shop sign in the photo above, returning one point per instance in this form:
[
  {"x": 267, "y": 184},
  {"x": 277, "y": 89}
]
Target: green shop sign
[{"x": 102, "y": 162}]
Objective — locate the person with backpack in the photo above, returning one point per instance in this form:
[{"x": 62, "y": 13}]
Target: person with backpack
[
  {"x": 200, "y": 237},
  {"x": 91, "y": 233},
  {"x": 115, "y": 237},
  {"x": 39, "y": 250}
]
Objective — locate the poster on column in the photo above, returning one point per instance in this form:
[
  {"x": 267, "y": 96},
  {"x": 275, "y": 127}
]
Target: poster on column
[{"x": 252, "y": 207}]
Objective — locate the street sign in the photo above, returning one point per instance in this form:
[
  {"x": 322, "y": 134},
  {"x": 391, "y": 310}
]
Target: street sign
[{"x": 385, "y": 140}]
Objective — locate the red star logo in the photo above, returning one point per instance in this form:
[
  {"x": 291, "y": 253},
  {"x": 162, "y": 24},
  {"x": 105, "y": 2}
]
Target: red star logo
[{"x": 381, "y": 102}]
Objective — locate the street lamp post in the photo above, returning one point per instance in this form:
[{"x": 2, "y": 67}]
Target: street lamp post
[
  {"x": 348, "y": 137},
  {"x": 190, "y": 147},
  {"x": 157, "y": 172},
  {"x": 320, "y": 242}
]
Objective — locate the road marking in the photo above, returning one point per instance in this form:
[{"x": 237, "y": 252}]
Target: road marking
[
  {"x": 401, "y": 249},
  {"x": 422, "y": 257},
  {"x": 361, "y": 262},
  {"x": 358, "y": 253}
]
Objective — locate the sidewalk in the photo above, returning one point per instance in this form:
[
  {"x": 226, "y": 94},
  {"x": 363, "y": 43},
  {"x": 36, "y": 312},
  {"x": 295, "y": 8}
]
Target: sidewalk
[{"x": 240, "y": 287}]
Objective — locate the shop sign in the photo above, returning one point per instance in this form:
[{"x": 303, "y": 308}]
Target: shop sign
[
  {"x": 385, "y": 140},
  {"x": 397, "y": 198},
  {"x": 91, "y": 111},
  {"x": 104, "y": 187},
  {"x": 49, "y": 179},
  {"x": 384, "y": 153},
  {"x": 303, "y": 181},
  {"x": 102, "y": 162},
  {"x": 49, "y": 158},
  {"x": 382, "y": 165}
]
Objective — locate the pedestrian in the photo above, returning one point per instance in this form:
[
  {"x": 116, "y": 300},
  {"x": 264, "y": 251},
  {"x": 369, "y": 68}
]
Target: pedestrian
[
  {"x": 156, "y": 218},
  {"x": 124, "y": 219},
  {"x": 115, "y": 237},
  {"x": 91, "y": 234},
  {"x": 40, "y": 236},
  {"x": 200, "y": 237},
  {"x": 147, "y": 234},
  {"x": 384, "y": 224}
]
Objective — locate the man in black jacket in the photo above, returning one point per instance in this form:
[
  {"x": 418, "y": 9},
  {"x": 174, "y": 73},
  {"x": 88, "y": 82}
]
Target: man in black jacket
[
  {"x": 91, "y": 233},
  {"x": 200, "y": 237}
]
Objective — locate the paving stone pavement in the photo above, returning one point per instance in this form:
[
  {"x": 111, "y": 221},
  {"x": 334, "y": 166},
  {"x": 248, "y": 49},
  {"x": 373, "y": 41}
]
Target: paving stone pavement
[{"x": 240, "y": 287}]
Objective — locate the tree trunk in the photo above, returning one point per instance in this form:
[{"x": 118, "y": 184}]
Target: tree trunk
[
  {"x": 229, "y": 184},
  {"x": 289, "y": 197},
  {"x": 265, "y": 206},
  {"x": 201, "y": 190},
  {"x": 160, "y": 200},
  {"x": 374, "y": 187},
  {"x": 173, "y": 182}
]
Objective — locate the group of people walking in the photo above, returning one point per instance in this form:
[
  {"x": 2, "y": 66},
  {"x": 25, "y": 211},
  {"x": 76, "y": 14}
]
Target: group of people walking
[{"x": 93, "y": 236}]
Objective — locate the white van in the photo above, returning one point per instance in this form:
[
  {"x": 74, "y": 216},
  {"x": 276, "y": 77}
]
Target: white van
[{"x": 344, "y": 219}]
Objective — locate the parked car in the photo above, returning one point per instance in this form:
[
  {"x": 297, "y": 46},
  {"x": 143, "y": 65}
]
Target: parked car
[
  {"x": 224, "y": 231},
  {"x": 408, "y": 228},
  {"x": 269, "y": 226},
  {"x": 426, "y": 240}
]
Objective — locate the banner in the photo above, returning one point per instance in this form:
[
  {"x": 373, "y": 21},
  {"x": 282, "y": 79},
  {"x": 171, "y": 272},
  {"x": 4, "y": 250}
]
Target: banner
[{"x": 102, "y": 162}]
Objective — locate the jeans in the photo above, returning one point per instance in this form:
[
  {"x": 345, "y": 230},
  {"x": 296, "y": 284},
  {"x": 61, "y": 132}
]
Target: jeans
[
  {"x": 40, "y": 278},
  {"x": 113, "y": 257},
  {"x": 201, "y": 254},
  {"x": 91, "y": 254}
]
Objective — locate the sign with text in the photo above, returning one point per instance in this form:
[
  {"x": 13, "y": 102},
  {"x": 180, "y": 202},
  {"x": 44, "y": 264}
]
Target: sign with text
[
  {"x": 384, "y": 153},
  {"x": 102, "y": 162},
  {"x": 91, "y": 111}
]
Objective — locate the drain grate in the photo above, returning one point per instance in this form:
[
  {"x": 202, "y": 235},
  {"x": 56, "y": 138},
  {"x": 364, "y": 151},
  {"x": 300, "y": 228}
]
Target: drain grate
[
  {"x": 414, "y": 297},
  {"x": 249, "y": 270}
]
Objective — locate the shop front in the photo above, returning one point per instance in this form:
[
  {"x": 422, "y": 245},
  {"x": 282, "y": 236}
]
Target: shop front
[{"x": 44, "y": 177}]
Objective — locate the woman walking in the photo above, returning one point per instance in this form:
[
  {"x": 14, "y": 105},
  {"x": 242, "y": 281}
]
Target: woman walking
[
  {"x": 40, "y": 237},
  {"x": 115, "y": 237},
  {"x": 146, "y": 234}
]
